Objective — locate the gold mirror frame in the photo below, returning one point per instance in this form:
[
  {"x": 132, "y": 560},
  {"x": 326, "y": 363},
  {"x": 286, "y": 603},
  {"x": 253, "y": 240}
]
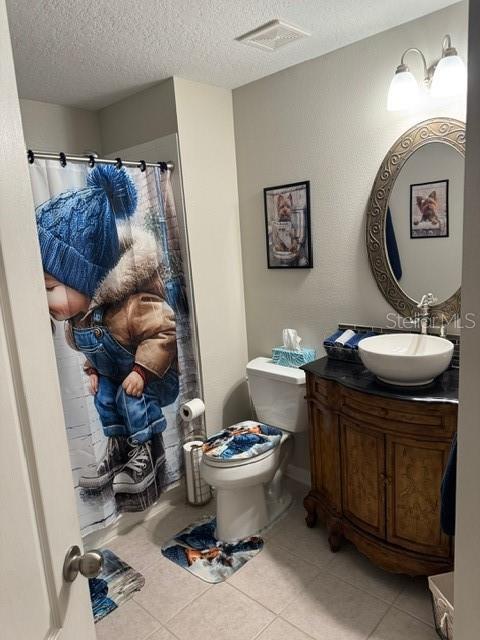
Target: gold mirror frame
[{"x": 446, "y": 130}]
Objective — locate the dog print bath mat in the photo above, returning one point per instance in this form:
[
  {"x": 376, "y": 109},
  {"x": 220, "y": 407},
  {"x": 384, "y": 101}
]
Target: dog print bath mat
[
  {"x": 197, "y": 550},
  {"x": 115, "y": 585}
]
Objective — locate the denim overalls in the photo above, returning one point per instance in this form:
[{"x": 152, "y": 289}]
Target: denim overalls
[{"x": 121, "y": 414}]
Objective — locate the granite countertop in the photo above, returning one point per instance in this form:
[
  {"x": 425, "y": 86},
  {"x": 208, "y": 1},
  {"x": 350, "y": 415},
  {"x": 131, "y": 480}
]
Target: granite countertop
[{"x": 355, "y": 376}]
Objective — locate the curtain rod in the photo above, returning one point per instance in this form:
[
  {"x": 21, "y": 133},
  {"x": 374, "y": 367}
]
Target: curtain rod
[{"x": 92, "y": 159}]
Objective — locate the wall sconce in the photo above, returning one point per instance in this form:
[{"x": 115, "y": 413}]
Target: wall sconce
[{"x": 447, "y": 78}]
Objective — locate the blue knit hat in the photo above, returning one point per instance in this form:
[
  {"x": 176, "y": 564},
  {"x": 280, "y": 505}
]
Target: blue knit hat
[{"x": 78, "y": 229}]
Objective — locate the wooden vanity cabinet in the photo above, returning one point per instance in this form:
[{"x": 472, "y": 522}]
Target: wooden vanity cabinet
[{"x": 376, "y": 469}]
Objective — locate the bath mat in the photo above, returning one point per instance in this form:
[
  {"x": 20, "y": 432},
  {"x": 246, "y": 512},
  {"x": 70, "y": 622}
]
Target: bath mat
[
  {"x": 198, "y": 551},
  {"x": 115, "y": 585}
]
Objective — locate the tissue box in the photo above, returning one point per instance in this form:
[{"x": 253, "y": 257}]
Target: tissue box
[{"x": 288, "y": 358}]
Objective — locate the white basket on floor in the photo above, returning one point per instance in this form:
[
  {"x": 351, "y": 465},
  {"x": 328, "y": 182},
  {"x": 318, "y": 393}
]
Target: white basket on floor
[{"x": 441, "y": 587}]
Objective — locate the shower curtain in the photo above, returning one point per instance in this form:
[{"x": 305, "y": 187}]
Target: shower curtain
[{"x": 116, "y": 288}]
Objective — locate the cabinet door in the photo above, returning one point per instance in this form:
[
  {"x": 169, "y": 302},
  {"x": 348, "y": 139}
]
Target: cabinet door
[
  {"x": 363, "y": 482},
  {"x": 414, "y": 476},
  {"x": 325, "y": 453}
]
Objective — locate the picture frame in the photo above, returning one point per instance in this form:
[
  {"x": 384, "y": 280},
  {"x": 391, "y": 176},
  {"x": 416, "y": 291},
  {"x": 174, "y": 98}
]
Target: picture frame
[
  {"x": 429, "y": 209},
  {"x": 287, "y": 226}
]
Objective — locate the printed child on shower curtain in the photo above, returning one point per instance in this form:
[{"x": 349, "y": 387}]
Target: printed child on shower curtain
[
  {"x": 105, "y": 282},
  {"x": 108, "y": 280}
]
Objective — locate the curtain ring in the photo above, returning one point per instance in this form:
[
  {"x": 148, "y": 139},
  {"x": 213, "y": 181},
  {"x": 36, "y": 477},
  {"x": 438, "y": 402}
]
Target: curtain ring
[
  {"x": 118, "y": 163},
  {"x": 143, "y": 165},
  {"x": 163, "y": 166},
  {"x": 63, "y": 159},
  {"x": 91, "y": 161},
  {"x": 30, "y": 156}
]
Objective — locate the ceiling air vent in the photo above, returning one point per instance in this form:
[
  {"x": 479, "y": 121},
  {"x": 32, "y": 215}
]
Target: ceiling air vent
[{"x": 273, "y": 35}]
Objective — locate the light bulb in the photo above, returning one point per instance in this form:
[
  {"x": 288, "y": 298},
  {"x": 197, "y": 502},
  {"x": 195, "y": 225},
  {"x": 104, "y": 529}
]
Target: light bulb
[
  {"x": 450, "y": 77},
  {"x": 404, "y": 92}
]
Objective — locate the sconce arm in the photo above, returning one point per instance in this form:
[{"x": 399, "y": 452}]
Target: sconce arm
[
  {"x": 403, "y": 66},
  {"x": 447, "y": 49}
]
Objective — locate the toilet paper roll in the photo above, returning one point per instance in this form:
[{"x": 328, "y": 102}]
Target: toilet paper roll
[{"x": 192, "y": 409}]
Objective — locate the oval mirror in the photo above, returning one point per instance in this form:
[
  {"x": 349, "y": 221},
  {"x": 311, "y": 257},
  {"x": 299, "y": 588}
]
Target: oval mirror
[{"x": 415, "y": 218}]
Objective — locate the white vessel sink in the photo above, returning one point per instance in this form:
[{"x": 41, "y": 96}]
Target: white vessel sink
[{"x": 406, "y": 359}]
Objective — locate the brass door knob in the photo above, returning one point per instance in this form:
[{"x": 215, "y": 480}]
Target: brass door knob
[{"x": 88, "y": 564}]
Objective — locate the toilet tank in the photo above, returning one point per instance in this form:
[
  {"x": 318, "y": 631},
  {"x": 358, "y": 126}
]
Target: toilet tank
[{"x": 278, "y": 394}]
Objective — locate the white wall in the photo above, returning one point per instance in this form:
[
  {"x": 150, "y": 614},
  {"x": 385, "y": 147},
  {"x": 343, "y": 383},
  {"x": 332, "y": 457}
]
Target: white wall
[
  {"x": 207, "y": 151},
  {"x": 53, "y": 127},
  {"x": 467, "y": 541},
  {"x": 140, "y": 118},
  {"x": 326, "y": 121}
]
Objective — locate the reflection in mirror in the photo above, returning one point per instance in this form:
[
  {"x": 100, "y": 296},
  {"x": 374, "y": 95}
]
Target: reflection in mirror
[{"x": 424, "y": 224}]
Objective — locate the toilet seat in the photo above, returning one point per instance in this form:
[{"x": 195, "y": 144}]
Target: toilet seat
[
  {"x": 241, "y": 443},
  {"x": 238, "y": 462}
]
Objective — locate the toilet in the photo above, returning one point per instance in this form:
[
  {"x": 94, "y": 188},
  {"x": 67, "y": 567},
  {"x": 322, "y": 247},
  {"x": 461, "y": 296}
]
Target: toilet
[{"x": 250, "y": 491}]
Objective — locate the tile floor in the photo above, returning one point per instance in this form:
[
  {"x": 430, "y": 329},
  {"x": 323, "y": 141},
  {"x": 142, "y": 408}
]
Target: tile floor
[{"x": 295, "y": 589}]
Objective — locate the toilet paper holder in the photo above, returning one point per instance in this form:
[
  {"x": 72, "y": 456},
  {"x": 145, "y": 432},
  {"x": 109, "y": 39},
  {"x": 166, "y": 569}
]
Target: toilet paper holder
[{"x": 198, "y": 491}]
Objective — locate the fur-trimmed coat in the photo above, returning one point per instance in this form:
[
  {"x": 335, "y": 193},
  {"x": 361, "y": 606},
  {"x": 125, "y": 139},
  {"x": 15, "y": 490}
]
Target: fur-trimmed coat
[{"x": 134, "y": 307}]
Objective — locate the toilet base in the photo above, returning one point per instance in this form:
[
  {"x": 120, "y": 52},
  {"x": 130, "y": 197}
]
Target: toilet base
[
  {"x": 250, "y": 497},
  {"x": 247, "y": 512},
  {"x": 240, "y": 512},
  {"x": 278, "y": 507}
]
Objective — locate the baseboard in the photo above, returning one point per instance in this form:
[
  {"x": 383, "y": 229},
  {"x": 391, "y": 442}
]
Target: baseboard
[
  {"x": 299, "y": 474},
  {"x": 175, "y": 495}
]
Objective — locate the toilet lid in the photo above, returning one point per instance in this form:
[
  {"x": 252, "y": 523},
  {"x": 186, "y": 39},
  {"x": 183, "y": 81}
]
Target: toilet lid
[{"x": 242, "y": 441}]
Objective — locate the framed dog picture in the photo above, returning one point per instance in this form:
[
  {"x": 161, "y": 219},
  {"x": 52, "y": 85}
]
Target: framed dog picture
[
  {"x": 287, "y": 222},
  {"x": 429, "y": 210}
]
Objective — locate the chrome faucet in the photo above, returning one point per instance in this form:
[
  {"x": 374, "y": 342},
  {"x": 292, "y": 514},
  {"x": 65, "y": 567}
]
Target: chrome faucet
[
  {"x": 427, "y": 301},
  {"x": 443, "y": 326}
]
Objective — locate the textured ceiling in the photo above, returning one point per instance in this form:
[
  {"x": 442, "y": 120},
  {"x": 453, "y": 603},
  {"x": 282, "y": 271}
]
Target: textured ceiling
[{"x": 90, "y": 53}]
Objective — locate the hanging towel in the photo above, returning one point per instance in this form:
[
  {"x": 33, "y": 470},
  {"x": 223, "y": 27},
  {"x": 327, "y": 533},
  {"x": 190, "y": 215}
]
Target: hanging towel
[
  {"x": 358, "y": 337},
  {"x": 243, "y": 440},
  {"x": 392, "y": 247},
  {"x": 448, "y": 491}
]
